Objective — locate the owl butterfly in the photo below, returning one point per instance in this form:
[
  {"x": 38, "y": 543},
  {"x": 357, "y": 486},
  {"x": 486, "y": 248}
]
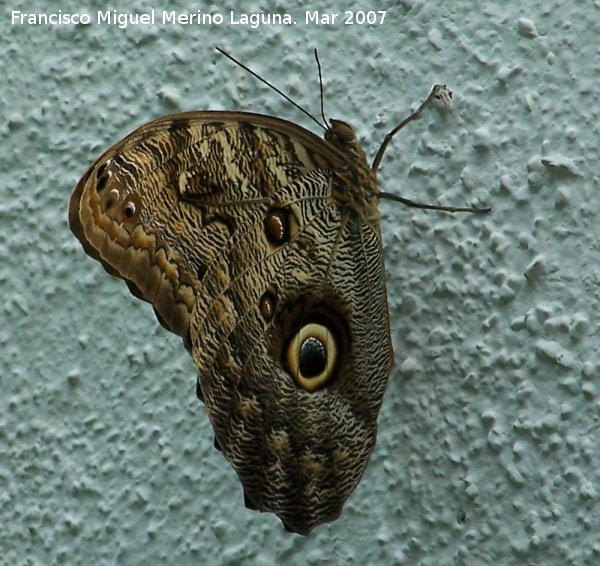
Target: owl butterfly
[{"x": 259, "y": 244}]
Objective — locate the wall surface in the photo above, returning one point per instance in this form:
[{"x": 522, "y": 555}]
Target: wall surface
[{"x": 489, "y": 440}]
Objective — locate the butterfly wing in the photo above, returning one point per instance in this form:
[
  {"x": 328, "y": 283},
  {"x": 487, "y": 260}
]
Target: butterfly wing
[
  {"x": 129, "y": 209},
  {"x": 229, "y": 225}
]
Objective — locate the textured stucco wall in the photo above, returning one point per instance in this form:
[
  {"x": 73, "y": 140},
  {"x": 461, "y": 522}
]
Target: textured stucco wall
[{"x": 489, "y": 445}]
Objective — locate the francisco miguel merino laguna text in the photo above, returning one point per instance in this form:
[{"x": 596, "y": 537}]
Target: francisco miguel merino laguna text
[{"x": 123, "y": 19}]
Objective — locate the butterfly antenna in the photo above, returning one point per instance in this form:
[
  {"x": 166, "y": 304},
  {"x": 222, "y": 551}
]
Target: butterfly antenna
[
  {"x": 321, "y": 87},
  {"x": 271, "y": 86}
]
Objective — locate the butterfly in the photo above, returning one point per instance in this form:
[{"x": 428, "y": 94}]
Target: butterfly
[{"x": 259, "y": 244}]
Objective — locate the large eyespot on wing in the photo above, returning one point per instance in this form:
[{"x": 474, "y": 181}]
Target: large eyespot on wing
[
  {"x": 316, "y": 340},
  {"x": 312, "y": 356}
]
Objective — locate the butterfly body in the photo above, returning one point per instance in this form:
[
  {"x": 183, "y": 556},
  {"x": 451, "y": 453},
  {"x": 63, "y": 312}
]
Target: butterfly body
[{"x": 259, "y": 244}]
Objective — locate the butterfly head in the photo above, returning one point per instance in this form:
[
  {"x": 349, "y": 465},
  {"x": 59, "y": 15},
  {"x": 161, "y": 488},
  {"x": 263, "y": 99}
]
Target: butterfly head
[{"x": 342, "y": 136}]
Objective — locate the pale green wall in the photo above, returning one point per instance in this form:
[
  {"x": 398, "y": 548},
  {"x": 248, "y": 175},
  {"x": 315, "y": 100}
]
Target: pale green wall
[{"x": 488, "y": 446}]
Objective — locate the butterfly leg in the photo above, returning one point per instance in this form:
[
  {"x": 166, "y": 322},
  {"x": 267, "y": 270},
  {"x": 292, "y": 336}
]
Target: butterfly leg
[{"x": 440, "y": 94}]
